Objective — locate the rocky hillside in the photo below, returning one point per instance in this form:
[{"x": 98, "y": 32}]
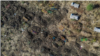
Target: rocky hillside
[{"x": 44, "y": 28}]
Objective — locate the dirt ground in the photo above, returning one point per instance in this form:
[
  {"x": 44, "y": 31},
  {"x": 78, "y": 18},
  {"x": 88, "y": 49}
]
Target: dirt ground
[{"x": 32, "y": 28}]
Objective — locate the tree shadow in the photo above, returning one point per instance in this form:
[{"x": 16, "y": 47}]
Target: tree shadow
[
  {"x": 64, "y": 36},
  {"x": 2, "y": 23},
  {"x": 79, "y": 17},
  {"x": 46, "y": 34},
  {"x": 75, "y": 13},
  {"x": 31, "y": 35},
  {"x": 96, "y": 6}
]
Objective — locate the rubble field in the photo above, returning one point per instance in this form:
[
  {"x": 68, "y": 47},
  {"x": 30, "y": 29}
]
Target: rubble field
[{"x": 44, "y": 28}]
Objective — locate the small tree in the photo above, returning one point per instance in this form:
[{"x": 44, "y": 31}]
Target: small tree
[{"x": 90, "y": 7}]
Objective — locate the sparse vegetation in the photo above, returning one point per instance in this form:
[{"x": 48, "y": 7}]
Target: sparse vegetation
[
  {"x": 73, "y": 19},
  {"x": 43, "y": 1},
  {"x": 78, "y": 30}
]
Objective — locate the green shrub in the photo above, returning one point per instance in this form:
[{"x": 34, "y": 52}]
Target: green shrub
[{"x": 90, "y": 7}]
